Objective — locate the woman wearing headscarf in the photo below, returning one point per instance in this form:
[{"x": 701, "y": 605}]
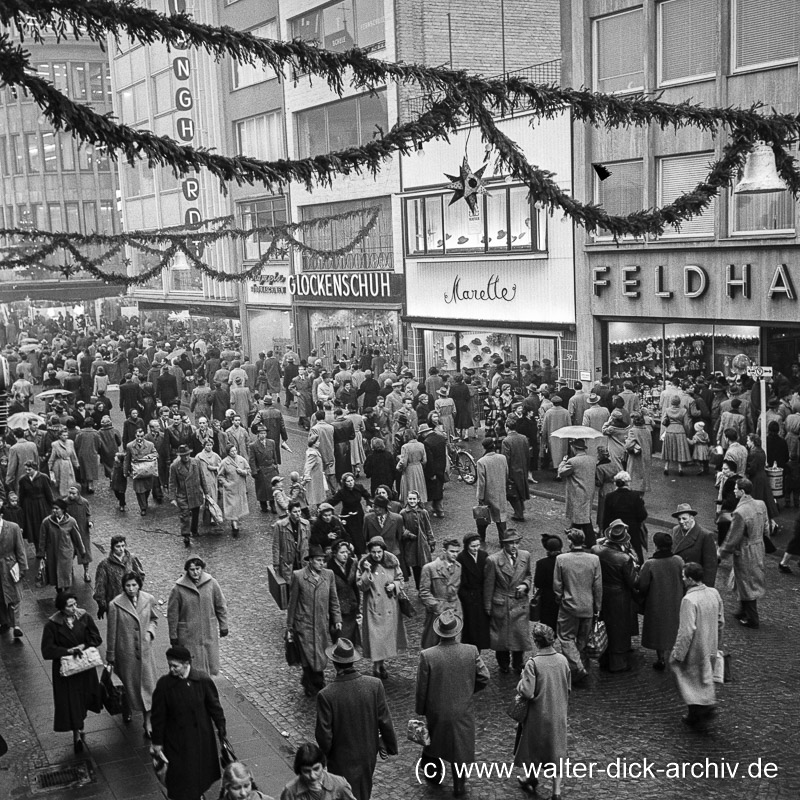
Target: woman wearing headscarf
[
  {"x": 416, "y": 542},
  {"x": 726, "y": 497},
  {"x": 353, "y": 497},
  {"x": 542, "y": 736},
  {"x": 660, "y": 585},
  {"x": 639, "y": 446},
  {"x": 619, "y": 581},
  {"x": 380, "y": 580},
  {"x": 411, "y": 467},
  {"x": 59, "y": 541},
  {"x": 675, "y": 444},
  {"x": 35, "y": 500},
  {"x": 63, "y": 462},
  {"x": 345, "y": 572},
  {"x": 233, "y": 473},
  {"x": 68, "y": 633},
  {"x": 473, "y": 562}
]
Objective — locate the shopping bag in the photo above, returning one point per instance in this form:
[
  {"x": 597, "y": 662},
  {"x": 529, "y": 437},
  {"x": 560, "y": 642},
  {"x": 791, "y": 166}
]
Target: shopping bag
[
  {"x": 146, "y": 467},
  {"x": 481, "y": 514},
  {"x": 291, "y": 650},
  {"x": 112, "y": 693},
  {"x": 226, "y": 754},
  {"x": 598, "y": 640},
  {"x": 518, "y": 708},
  {"x": 214, "y": 510},
  {"x": 417, "y": 732},
  {"x": 160, "y": 764},
  {"x": 406, "y": 606}
]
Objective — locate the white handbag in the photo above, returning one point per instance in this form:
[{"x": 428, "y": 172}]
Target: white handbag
[{"x": 88, "y": 659}]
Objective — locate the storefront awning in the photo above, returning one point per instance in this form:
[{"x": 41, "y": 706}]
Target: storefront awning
[
  {"x": 71, "y": 291},
  {"x": 208, "y": 308},
  {"x": 535, "y": 329}
]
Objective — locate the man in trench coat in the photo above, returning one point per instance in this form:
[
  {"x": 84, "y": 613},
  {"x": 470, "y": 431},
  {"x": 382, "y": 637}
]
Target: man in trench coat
[
  {"x": 491, "y": 487},
  {"x": 448, "y": 675},
  {"x": 692, "y": 543},
  {"x": 353, "y": 721},
  {"x": 313, "y": 610},
  {"x": 186, "y": 489},
  {"x": 517, "y": 451},
  {"x": 507, "y": 584},
  {"x": 695, "y": 651},
  {"x": 438, "y": 589},
  {"x": 578, "y": 474},
  {"x": 745, "y": 542},
  {"x": 12, "y": 552}
]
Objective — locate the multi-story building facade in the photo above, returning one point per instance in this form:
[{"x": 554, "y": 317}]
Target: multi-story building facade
[
  {"x": 48, "y": 180},
  {"x": 721, "y": 292}
]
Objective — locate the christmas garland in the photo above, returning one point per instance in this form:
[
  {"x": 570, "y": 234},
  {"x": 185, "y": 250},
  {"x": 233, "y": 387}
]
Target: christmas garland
[
  {"x": 165, "y": 244},
  {"x": 462, "y": 97}
]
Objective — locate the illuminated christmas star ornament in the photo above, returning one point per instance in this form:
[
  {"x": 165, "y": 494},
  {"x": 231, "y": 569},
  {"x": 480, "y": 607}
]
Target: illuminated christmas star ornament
[{"x": 467, "y": 185}]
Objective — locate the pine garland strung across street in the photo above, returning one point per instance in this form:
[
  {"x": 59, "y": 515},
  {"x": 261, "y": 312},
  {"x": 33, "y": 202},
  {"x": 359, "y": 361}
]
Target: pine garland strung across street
[
  {"x": 460, "y": 98},
  {"x": 34, "y": 247}
]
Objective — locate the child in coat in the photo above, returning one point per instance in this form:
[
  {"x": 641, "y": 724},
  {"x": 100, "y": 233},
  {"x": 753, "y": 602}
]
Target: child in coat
[{"x": 700, "y": 449}]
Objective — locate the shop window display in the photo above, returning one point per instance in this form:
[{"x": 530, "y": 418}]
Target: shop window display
[{"x": 352, "y": 333}]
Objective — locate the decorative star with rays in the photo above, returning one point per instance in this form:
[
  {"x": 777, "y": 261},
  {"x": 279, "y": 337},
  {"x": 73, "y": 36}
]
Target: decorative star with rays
[{"x": 467, "y": 185}]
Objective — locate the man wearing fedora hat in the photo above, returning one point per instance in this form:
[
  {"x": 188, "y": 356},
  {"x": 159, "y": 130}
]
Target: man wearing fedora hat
[
  {"x": 312, "y": 613},
  {"x": 353, "y": 721},
  {"x": 692, "y": 543},
  {"x": 507, "y": 582},
  {"x": 595, "y": 415},
  {"x": 186, "y": 488},
  {"x": 448, "y": 675},
  {"x": 435, "y": 466},
  {"x": 578, "y": 472}
]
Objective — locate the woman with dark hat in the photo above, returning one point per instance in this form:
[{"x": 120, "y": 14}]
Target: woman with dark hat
[
  {"x": 380, "y": 580},
  {"x": 619, "y": 581},
  {"x": 59, "y": 541},
  {"x": 660, "y": 584},
  {"x": 542, "y": 735},
  {"x": 313, "y": 612},
  {"x": 68, "y": 633},
  {"x": 186, "y": 709},
  {"x": 345, "y": 572},
  {"x": 470, "y": 592}
]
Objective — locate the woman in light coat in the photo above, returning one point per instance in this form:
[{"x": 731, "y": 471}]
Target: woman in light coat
[
  {"x": 12, "y": 552},
  {"x": 410, "y": 464},
  {"x": 132, "y": 621},
  {"x": 209, "y": 462},
  {"x": 197, "y": 615},
  {"x": 380, "y": 580},
  {"x": 314, "y": 474},
  {"x": 63, "y": 462},
  {"x": 639, "y": 446},
  {"x": 542, "y": 735},
  {"x": 233, "y": 473}
]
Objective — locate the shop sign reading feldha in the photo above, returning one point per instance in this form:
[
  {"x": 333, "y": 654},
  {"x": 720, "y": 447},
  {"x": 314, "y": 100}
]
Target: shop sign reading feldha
[
  {"x": 695, "y": 282},
  {"x": 347, "y": 285}
]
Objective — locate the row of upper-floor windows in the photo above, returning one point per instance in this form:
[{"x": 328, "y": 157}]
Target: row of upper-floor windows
[
  {"x": 762, "y": 33},
  {"x": 623, "y": 193},
  {"x": 89, "y": 216},
  {"x": 84, "y": 82},
  {"x": 35, "y": 153}
]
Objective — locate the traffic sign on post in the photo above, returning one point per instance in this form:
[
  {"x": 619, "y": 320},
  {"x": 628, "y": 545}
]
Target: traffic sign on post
[{"x": 756, "y": 372}]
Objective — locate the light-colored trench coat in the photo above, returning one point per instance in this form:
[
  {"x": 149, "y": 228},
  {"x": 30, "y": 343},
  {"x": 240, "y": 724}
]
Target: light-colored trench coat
[
  {"x": 745, "y": 540},
  {"x": 234, "y": 487},
  {"x": 579, "y": 474},
  {"x": 384, "y": 631},
  {"x": 129, "y": 646},
  {"x": 438, "y": 589},
  {"x": 509, "y": 626},
  {"x": 12, "y": 551},
  {"x": 313, "y": 610},
  {"x": 196, "y": 615},
  {"x": 695, "y": 651}
]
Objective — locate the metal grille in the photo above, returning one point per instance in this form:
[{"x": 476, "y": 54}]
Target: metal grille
[{"x": 61, "y": 776}]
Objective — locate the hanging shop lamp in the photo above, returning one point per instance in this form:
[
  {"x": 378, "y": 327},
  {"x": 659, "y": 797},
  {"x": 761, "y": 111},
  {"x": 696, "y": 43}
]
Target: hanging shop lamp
[{"x": 760, "y": 174}]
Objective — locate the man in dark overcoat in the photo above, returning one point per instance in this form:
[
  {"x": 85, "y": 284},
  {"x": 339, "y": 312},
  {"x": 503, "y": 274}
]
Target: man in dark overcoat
[
  {"x": 186, "y": 709},
  {"x": 353, "y": 721},
  {"x": 263, "y": 455},
  {"x": 186, "y": 489},
  {"x": 470, "y": 592},
  {"x": 290, "y": 537},
  {"x": 629, "y": 507},
  {"x": 448, "y": 675},
  {"x": 384, "y": 523},
  {"x": 272, "y": 419},
  {"x": 692, "y": 543},
  {"x": 517, "y": 452},
  {"x": 435, "y": 466},
  {"x": 507, "y": 584}
]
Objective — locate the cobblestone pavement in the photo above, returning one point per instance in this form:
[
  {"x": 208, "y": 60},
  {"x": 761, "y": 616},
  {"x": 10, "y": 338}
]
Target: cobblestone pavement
[{"x": 613, "y": 719}]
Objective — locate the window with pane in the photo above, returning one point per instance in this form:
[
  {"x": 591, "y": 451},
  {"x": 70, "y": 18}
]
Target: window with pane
[
  {"x": 762, "y": 213},
  {"x": 32, "y": 149},
  {"x": 250, "y": 74},
  {"x": 677, "y": 176},
  {"x": 72, "y": 217},
  {"x": 342, "y": 25},
  {"x": 3, "y": 156},
  {"x": 106, "y": 219},
  {"x": 133, "y": 103},
  {"x": 765, "y": 32},
  {"x": 337, "y": 126},
  {"x": 66, "y": 146},
  {"x": 504, "y": 221},
  {"x": 260, "y": 137},
  {"x": 45, "y": 72},
  {"x": 163, "y": 92},
  {"x": 24, "y": 217},
  {"x": 375, "y": 251},
  {"x": 96, "y": 91},
  {"x": 60, "y": 80},
  {"x": 49, "y": 151},
  {"x": 619, "y": 52},
  {"x": 56, "y": 218},
  {"x": 168, "y": 180},
  {"x": 269, "y": 212},
  {"x": 90, "y": 218},
  {"x": 79, "y": 89},
  {"x": 687, "y": 39},
  {"x": 132, "y": 182},
  {"x": 17, "y": 154},
  {"x": 622, "y": 192},
  {"x": 38, "y": 216},
  {"x": 109, "y": 98}
]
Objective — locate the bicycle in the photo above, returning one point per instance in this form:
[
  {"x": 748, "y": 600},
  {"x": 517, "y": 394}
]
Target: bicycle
[{"x": 462, "y": 462}]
